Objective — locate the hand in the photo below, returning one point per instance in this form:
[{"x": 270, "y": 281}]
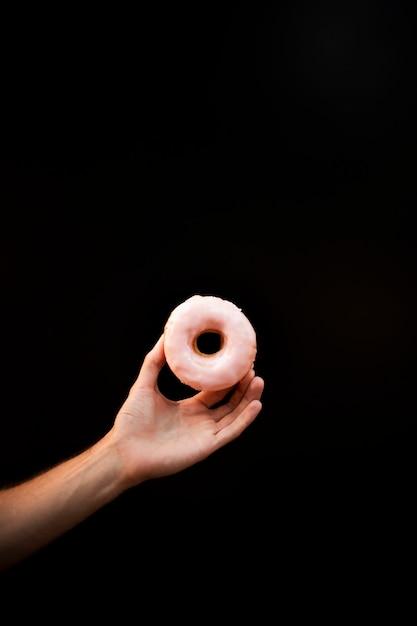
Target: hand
[
  {"x": 156, "y": 436},
  {"x": 151, "y": 437}
]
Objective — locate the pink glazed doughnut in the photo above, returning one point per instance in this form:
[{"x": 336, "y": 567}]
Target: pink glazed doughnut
[{"x": 209, "y": 371}]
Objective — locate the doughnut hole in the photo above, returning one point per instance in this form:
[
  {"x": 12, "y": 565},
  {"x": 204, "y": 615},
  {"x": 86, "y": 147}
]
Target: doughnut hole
[{"x": 208, "y": 342}]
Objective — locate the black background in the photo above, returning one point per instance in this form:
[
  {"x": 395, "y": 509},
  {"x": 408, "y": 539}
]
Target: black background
[{"x": 261, "y": 152}]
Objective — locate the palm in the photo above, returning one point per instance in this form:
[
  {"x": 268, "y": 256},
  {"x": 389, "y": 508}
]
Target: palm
[{"x": 169, "y": 435}]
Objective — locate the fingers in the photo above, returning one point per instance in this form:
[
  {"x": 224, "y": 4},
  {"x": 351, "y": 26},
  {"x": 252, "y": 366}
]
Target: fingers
[
  {"x": 211, "y": 398},
  {"x": 152, "y": 365},
  {"x": 232, "y": 429},
  {"x": 247, "y": 408},
  {"x": 235, "y": 398}
]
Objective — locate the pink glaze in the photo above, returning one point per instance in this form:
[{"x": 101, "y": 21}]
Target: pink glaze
[{"x": 209, "y": 372}]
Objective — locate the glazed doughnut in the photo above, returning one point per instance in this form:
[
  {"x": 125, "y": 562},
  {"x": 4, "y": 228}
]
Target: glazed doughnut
[{"x": 209, "y": 371}]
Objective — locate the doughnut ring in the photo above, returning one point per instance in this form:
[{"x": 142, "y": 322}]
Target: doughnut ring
[{"x": 197, "y": 319}]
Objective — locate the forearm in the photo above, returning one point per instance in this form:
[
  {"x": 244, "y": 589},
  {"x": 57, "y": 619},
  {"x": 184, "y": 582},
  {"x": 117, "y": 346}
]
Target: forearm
[{"x": 37, "y": 512}]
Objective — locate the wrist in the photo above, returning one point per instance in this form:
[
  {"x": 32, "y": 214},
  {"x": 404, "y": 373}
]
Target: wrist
[{"x": 122, "y": 457}]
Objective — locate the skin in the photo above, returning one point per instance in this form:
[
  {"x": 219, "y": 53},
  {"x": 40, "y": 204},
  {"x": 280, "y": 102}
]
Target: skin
[{"x": 151, "y": 437}]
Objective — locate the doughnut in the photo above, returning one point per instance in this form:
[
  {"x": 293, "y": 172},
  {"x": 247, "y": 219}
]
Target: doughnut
[{"x": 196, "y": 319}]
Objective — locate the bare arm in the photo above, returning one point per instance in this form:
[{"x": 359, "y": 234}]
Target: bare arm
[{"x": 152, "y": 436}]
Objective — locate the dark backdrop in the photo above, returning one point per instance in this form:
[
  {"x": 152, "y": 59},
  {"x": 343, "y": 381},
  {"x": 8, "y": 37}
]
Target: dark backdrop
[{"x": 261, "y": 152}]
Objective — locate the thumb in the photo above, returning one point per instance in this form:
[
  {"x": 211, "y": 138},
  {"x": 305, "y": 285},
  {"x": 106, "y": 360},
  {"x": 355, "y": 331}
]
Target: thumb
[{"x": 152, "y": 365}]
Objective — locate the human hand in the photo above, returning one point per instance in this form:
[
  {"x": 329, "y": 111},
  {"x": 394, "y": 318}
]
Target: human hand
[
  {"x": 156, "y": 436},
  {"x": 151, "y": 437}
]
